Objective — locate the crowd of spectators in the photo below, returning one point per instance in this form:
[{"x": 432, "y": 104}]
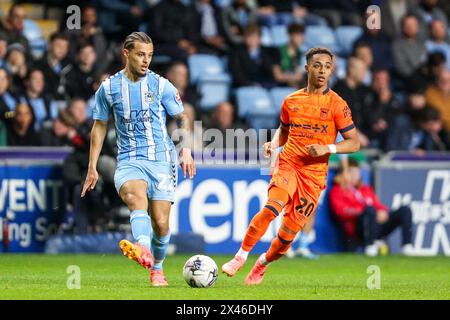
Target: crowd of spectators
[{"x": 396, "y": 81}]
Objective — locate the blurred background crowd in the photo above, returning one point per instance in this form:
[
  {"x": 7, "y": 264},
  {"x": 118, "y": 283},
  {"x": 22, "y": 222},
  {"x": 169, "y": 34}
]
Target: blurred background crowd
[{"x": 233, "y": 62}]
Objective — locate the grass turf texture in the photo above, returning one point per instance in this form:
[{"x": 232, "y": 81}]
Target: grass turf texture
[{"x": 33, "y": 276}]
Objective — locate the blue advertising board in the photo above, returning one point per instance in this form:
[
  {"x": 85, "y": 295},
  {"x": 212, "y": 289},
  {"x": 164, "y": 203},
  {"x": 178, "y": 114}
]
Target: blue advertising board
[
  {"x": 31, "y": 205},
  {"x": 426, "y": 189}
]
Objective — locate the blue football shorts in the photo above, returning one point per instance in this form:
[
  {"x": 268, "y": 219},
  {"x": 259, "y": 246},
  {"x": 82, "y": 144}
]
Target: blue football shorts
[{"x": 161, "y": 176}]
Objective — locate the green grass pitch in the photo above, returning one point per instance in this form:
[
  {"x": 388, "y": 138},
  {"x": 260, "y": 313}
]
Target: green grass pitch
[{"x": 34, "y": 276}]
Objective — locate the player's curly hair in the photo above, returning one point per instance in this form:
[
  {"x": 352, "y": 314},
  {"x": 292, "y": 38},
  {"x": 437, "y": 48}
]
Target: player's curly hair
[
  {"x": 136, "y": 36},
  {"x": 318, "y": 50}
]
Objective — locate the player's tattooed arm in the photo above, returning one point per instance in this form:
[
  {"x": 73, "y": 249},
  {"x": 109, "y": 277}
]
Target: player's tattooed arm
[{"x": 186, "y": 160}]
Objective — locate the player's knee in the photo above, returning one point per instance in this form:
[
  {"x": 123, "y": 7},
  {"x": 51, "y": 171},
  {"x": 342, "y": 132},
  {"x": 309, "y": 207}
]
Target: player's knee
[
  {"x": 161, "y": 227},
  {"x": 133, "y": 199}
]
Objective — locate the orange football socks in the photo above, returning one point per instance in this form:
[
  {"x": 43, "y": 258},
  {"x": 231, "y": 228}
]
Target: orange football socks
[{"x": 258, "y": 226}]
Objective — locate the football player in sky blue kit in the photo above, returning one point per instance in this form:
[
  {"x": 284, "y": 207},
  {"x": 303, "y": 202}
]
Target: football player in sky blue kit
[{"x": 146, "y": 173}]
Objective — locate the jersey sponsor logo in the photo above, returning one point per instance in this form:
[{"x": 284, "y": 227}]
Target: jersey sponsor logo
[
  {"x": 137, "y": 120},
  {"x": 323, "y": 128}
]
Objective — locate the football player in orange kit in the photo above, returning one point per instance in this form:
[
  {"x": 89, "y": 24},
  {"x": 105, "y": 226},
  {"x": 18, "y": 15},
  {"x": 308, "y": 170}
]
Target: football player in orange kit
[{"x": 310, "y": 120}]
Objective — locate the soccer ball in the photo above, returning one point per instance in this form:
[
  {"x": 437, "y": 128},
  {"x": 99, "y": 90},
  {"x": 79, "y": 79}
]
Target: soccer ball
[{"x": 200, "y": 271}]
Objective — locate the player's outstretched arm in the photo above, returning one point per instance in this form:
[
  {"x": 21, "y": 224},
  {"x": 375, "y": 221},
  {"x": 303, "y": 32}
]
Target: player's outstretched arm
[
  {"x": 98, "y": 133},
  {"x": 350, "y": 144},
  {"x": 186, "y": 160}
]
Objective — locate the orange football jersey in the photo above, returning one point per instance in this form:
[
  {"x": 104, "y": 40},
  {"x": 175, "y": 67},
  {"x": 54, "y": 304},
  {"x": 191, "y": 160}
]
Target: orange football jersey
[{"x": 312, "y": 118}]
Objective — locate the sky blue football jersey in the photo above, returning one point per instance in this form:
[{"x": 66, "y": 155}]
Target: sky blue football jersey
[{"x": 139, "y": 110}]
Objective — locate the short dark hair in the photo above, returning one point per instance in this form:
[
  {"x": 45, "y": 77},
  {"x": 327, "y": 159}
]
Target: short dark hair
[
  {"x": 58, "y": 35},
  {"x": 353, "y": 163},
  {"x": 138, "y": 36},
  {"x": 318, "y": 50},
  {"x": 251, "y": 29},
  {"x": 429, "y": 114},
  {"x": 296, "y": 28}
]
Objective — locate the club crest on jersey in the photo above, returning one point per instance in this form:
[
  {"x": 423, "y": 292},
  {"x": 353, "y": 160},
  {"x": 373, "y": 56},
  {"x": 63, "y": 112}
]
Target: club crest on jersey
[
  {"x": 149, "y": 97},
  {"x": 323, "y": 113}
]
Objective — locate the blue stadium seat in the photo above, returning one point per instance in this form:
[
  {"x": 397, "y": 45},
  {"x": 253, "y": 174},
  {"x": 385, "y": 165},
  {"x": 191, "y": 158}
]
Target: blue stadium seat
[
  {"x": 279, "y": 35},
  {"x": 31, "y": 30},
  {"x": 255, "y": 105},
  {"x": 213, "y": 89},
  {"x": 321, "y": 36},
  {"x": 346, "y": 37},
  {"x": 266, "y": 37},
  {"x": 341, "y": 67},
  {"x": 33, "y": 33},
  {"x": 278, "y": 94},
  {"x": 204, "y": 65}
]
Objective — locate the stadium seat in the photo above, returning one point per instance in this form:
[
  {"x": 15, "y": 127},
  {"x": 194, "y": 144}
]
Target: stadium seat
[
  {"x": 255, "y": 105},
  {"x": 213, "y": 89},
  {"x": 346, "y": 37},
  {"x": 321, "y": 36},
  {"x": 279, "y": 35},
  {"x": 341, "y": 67},
  {"x": 33, "y": 33},
  {"x": 266, "y": 37},
  {"x": 204, "y": 65},
  {"x": 48, "y": 26},
  {"x": 278, "y": 94}
]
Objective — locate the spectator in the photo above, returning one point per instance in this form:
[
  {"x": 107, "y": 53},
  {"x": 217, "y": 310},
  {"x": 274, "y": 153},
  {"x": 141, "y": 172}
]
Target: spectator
[
  {"x": 380, "y": 45},
  {"x": 435, "y": 137},
  {"x": 409, "y": 52},
  {"x": 338, "y": 12},
  {"x": 438, "y": 42},
  {"x": 176, "y": 34},
  {"x": 12, "y": 25},
  {"x": 285, "y": 12},
  {"x": 363, "y": 52},
  {"x": 61, "y": 131},
  {"x": 393, "y": 12},
  {"x": 21, "y": 127},
  {"x": 428, "y": 72},
  {"x": 3, "y": 48},
  {"x": 178, "y": 75},
  {"x": 427, "y": 11},
  {"x": 235, "y": 18},
  {"x": 8, "y": 100},
  {"x": 388, "y": 107},
  {"x": 78, "y": 79},
  {"x": 438, "y": 96},
  {"x": 360, "y": 98},
  {"x": 119, "y": 18},
  {"x": 223, "y": 117},
  {"x": 16, "y": 64},
  {"x": 53, "y": 62},
  {"x": 44, "y": 107},
  {"x": 196, "y": 139},
  {"x": 90, "y": 103},
  {"x": 364, "y": 218},
  {"x": 405, "y": 133},
  {"x": 208, "y": 21},
  {"x": 288, "y": 71},
  {"x": 252, "y": 64},
  {"x": 91, "y": 33}
]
